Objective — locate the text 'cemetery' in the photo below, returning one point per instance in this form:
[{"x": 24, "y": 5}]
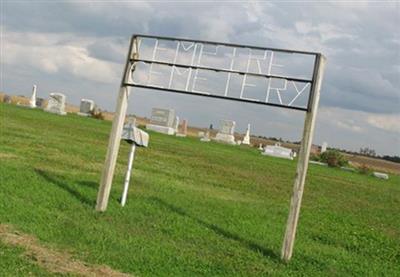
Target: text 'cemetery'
[{"x": 272, "y": 77}]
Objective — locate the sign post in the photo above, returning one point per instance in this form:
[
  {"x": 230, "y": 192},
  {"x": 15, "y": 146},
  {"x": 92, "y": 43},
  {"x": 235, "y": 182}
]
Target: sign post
[
  {"x": 116, "y": 131},
  {"x": 128, "y": 175},
  {"x": 302, "y": 164}
]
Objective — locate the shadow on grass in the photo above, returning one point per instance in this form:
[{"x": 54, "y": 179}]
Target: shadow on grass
[
  {"x": 89, "y": 184},
  {"x": 218, "y": 230},
  {"x": 65, "y": 186}
]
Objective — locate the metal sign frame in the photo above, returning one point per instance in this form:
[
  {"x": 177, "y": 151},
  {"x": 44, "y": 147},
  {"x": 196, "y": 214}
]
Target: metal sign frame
[{"x": 311, "y": 110}]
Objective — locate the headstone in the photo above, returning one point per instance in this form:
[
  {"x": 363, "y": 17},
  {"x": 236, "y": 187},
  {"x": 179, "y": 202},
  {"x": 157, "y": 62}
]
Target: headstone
[
  {"x": 200, "y": 134},
  {"x": 182, "y": 131},
  {"x": 162, "y": 121},
  {"x": 39, "y": 102},
  {"x": 318, "y": 163},
  {"x": 239, "y": 142},
  {"x": 32, "y": 101},
  {"x": 278, "y": 151},
  {"x": 381, "y": 175},
  {"x": 56, "y": 104},
  {"x": 132, "y": 134},
  {"x": 7, "y": 99},
  {"x": 246, "y": 139},
  {"x": 176, "y": 124},
  {"x": 345, "y": 168},
  {"x": 206, "y": 137},
  {"x": 86, "y": 107},
  {"x": 260, "y": 147},
  {"x": 226, "y": 132},
  {"x": 324, "y": 147}
]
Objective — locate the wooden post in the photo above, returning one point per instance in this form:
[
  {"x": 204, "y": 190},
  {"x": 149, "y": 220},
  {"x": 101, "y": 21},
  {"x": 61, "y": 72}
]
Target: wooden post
[
  {"x": 116, "y": 131},
  {"x": 304, "y": 154}
]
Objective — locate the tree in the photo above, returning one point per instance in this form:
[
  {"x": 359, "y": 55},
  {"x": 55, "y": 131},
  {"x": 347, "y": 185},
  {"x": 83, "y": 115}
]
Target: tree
[{"x": 333, "y": 158}]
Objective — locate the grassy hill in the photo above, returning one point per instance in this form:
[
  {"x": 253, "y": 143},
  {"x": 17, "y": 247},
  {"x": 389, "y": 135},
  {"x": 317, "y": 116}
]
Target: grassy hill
[{"x": 193, "y": 208}]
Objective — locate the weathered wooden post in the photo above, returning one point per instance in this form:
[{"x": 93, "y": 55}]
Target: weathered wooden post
[
  {"x": 304, "y": 155},
  {"x": 116, "y": 131}
]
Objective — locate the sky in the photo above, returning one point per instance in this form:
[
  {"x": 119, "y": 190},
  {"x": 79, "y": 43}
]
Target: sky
[{"x": 79, "y": 47}]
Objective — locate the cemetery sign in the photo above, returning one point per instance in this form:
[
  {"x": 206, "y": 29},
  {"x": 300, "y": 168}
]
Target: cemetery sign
[
  {"x": 266, "y": 76},
  {"x": 243, "y": 73}
]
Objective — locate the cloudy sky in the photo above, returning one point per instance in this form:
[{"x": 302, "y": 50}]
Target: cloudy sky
[{"x": 79, "y": 47}]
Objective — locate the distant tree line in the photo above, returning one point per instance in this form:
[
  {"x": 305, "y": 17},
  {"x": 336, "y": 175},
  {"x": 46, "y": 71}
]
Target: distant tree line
[
  {"x": 367, "y": 152},
  {"x": 395, "y": 159}
]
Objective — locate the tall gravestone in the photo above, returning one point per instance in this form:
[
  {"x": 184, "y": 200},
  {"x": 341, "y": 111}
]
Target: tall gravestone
[
  {"x": 56, "y": 104},
  {"x": 246, "y": 139},
  {"x": 226, "y": 131},
  {"x": 182, "y": 130},
  {"x": 86, "y": 107},
  {"x": 32, "y": 100},
  {"x": 176, "y": 124},
  {"x": 162, "y": 121},
  {"x": 324, "y": 147}
]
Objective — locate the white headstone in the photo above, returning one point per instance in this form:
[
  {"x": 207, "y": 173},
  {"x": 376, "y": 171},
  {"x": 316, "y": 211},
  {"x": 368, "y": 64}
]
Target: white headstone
[
  {"x": 348, "y": 168},
  {"x": 56, "y": 104},
  {"x": 182, "y": 131},
  {"x": 176, "y": 124},
  {"x": 200, "y": 134},
  {"x": 32, "y": 101},
  {"x": 86, "y": 107},
  {"x": 226, "y": 132},
  {"x": 318, "y": 163},
  {"x": 206, "y": 137},
  {"x": 246, "y": 139},
  {"x": 162, "y": 121},
  {"x": 260, "y": 147},
  {"x": 278, "y": 151},
  {"x": 381, "y": 175},
  {"x": 324, "y": 147}
]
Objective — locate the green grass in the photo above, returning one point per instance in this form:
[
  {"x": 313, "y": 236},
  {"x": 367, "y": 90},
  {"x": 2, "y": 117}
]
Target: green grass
[
  {"x": 14, "y": 263},
  {"x": 193, "y": 208}
]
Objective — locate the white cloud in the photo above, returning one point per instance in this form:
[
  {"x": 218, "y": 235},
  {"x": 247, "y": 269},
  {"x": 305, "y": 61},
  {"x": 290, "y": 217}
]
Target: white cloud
[
  {"x": 352, "y": 129},
  {"x": 348, "y": 125},
  {"x": 50, "y": 54},
  {"x": 385, "y": 122},
  {"x": 347, "y": 120},
  {"x": 323, "y": 30}
]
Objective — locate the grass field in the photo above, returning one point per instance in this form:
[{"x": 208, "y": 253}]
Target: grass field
[{"x": 193, "y": 208}]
